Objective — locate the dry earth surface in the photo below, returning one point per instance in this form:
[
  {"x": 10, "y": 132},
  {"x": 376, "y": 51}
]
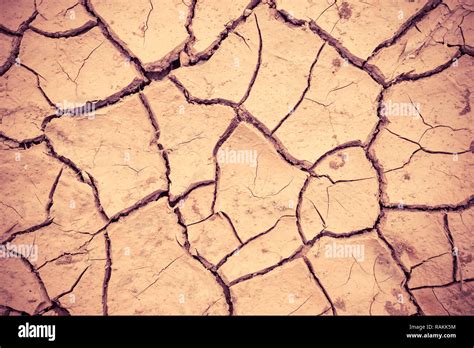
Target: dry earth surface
[{"x": 236, "y": 157}]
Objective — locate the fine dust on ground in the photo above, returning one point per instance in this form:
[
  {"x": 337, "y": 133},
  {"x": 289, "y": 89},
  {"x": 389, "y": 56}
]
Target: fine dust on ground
[{"x": 236, "y": 157}]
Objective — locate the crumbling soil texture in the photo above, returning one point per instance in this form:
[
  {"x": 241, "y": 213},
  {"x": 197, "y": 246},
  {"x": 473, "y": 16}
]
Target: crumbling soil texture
[{"x": 236, "y": 157}]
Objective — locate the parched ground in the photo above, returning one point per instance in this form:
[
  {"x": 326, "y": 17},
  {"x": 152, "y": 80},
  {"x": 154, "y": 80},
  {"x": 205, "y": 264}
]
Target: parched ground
[{"x": 236, "y": 157}]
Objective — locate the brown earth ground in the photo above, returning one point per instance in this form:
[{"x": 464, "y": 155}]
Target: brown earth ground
[{"x": 236, "y": 157}]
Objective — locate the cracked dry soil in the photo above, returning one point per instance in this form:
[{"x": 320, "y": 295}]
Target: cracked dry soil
[{"x": 236, "y": 157}]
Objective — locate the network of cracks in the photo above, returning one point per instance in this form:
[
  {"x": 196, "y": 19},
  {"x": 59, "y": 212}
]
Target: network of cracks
[{"x": 236, "y": 157}]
